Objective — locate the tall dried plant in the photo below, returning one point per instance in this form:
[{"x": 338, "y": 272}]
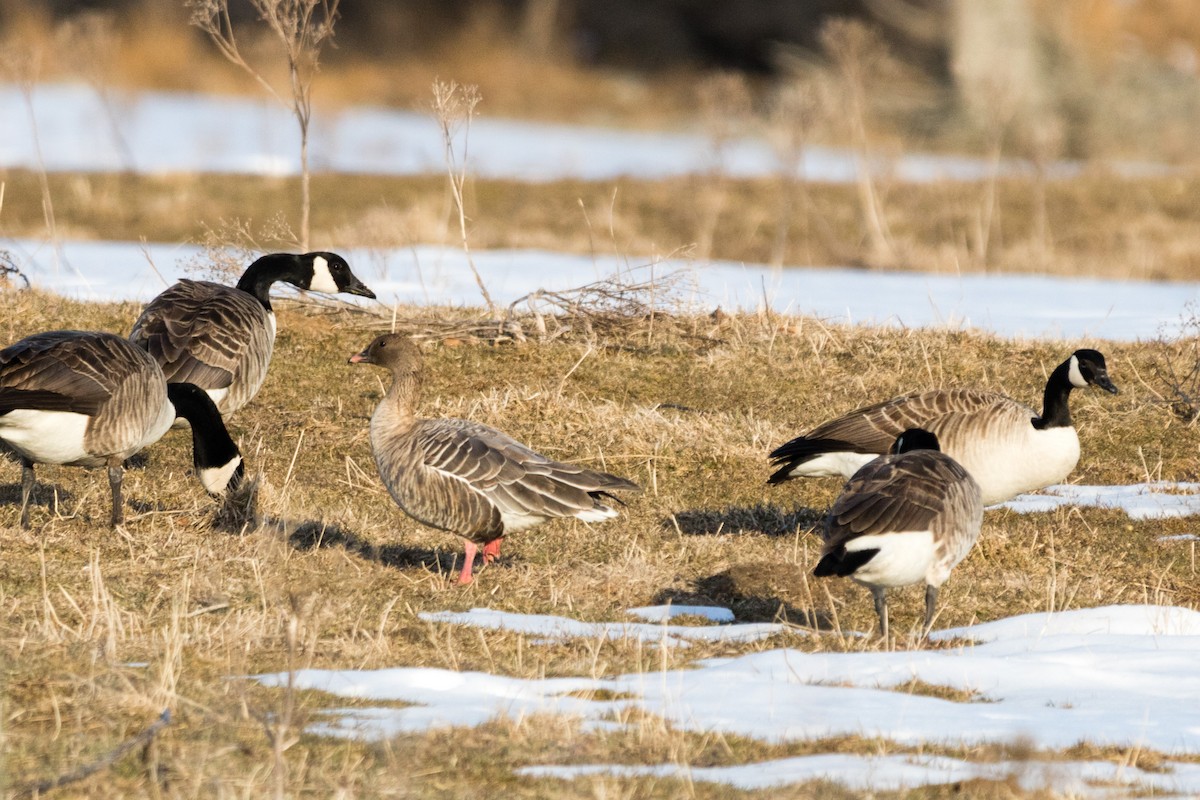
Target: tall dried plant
[
  {"x": 454, "y": 108},
  {"x": 302, "y": 28},
  {"x": 859, "y": 55},
  {"x": 726, "y": 109},
  {"x": 790, "y": 122}
]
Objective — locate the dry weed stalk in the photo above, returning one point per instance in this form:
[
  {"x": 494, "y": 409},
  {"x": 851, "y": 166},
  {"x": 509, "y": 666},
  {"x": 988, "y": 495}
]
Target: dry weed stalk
[
  {"x": 454, "y": 108},
  {"x": 302, "y": 27},
  {"x": 618, "y": 306},
  {"x": 858, "y": 53},
  {"x": 230, "y": 246},
  {"x": 725, "y": 107},
  {"x": 790, "y": 123}
]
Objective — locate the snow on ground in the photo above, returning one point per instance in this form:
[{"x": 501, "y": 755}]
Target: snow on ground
[
  {"x": 1119, "y": 675},
  {"x": 72, "y": 128},
  {"x": 556, "y": 628},
  {"x": 1157, "y": 500},
  {"x": 895, "y": 773},
  {"x": 1012, "y": 305}
]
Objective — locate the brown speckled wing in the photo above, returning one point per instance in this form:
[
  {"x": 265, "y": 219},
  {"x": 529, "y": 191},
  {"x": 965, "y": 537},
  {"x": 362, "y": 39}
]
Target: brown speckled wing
[
  {"x": 907, "y": 492},
  {"x": 214, "y": 336},
  {"x": 874, "y": 428},
  {"x": 63, "y": 371},
  {"x": 466, "y": 477},
  {"x": 97, "y": 374}
]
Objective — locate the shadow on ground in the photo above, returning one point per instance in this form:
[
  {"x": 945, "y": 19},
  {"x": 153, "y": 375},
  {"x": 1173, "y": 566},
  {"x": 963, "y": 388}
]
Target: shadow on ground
[
  {"x": 50, "y": 496},
  {"x": 314, "y": 535},
  {"x": 764, "y": 518},
  {"x": 751, "y": 595}
]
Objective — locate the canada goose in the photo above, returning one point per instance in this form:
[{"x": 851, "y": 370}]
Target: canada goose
[
  {"x": 221, "y": 337},
  {"x": 92, "y": 400},
  {"x": 1004, "y": 444},
  {"x": 908, "y": 516},
  {"x": 466, "y": 478}
]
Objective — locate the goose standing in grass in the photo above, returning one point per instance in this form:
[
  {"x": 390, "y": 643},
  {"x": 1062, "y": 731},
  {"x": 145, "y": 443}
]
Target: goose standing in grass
[
  {"x": 1004, "y": 444},
  {"x": 908, "y": 516},
  {"x": 464, "y": 477},
  {"x": 93, "y": 400},
  {"x": 220, "y": 337}
]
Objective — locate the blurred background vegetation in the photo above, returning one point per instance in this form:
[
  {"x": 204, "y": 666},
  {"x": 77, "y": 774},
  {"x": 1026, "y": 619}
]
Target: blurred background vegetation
[{"x": 1043, "y": 78}]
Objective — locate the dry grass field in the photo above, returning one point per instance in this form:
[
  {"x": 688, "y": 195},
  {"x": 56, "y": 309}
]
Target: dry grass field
[
  {"x": 100, "y": 630},
  {"x": 1097, "y": 225}
]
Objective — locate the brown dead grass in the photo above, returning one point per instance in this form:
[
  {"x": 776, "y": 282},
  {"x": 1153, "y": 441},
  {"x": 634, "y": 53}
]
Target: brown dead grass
[
  {"x": 1099, "y": 225},
  {"x": 100, "y": 630}
]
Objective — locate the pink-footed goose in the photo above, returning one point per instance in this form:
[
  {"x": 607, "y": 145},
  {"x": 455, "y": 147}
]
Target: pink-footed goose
[
  {"x": 1005, "y": 445},
  {"x": 93, "y": 399},
  {"x": 221, "y": 337},
  {"x": 464, "y": 477},
  {"x": 905, "y": 517}
]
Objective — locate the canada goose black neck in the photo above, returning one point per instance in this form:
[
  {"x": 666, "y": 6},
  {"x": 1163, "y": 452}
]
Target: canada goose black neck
[
  {"x": 212, "y": 447},
  {"x": 260, "y": 276},
  {"x": 1056, "y": 408},
  {"x": 1084, "y": 368}
]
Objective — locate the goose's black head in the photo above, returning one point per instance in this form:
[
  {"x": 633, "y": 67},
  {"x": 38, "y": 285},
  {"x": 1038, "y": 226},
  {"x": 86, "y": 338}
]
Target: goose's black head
[
  {"x": 317, "y": 272},
  {"x": 329, "y": 273},
  {"x": 1087, "y": 368},
  {"x": 916, "y": 439}
]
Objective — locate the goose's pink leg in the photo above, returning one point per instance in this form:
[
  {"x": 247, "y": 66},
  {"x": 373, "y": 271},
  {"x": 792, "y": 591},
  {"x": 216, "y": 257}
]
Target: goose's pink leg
[
  {"x": 469, "y": 551},
  {"x": 491, "y": 550}
]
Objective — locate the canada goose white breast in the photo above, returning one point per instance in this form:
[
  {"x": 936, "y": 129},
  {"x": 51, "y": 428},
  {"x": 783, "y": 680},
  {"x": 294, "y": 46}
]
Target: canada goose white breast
[
  {"x": 48, "y": 437},
  {"x": 1005, "y": 453}
]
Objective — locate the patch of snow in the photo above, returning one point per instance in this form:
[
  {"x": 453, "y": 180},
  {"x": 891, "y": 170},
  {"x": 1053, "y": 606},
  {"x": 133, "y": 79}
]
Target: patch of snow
[
  {"x": 896, "y": 773},
  {"x": 1182, "y": 537},
  {"x": 163, "y": 132},
  {"x": 1157, "y": 500},
  {"x": 663, "y": 613},
  {"x": 1012, "y": 305},
  {"x": 1119, "y": 675},
  {"x": 557, "y": 628}
]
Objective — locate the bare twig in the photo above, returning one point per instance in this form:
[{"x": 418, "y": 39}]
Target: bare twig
[
  {"x": 454, "y": 108},
  {"x": 142, "y": 739},
  {"x": 302, "y": 27},
  {"x": 8, "y": 267}
]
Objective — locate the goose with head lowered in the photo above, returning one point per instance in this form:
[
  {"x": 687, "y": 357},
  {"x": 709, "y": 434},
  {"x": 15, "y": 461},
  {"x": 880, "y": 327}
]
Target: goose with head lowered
[
  {"x": 1006, "y": 446},
  {"x": 903, "y": 518},
  {"x": 220, "y": 337},
  {"x": 93, "y": 399},
  {"x": 460, "y": 476}
]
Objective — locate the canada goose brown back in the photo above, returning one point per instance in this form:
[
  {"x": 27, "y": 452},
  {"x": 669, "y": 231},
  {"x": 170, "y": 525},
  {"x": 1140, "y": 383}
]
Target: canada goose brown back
[
  {"x": 93, "y": 399},
  {"x": 221, "y": 338},
  {"x": 905, "y": 517},
  {"x": 1005, "y": 445},
  {"x": 466, "y": 478}
]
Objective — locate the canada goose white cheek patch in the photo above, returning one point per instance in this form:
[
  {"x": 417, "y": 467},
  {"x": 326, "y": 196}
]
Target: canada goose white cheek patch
[
  {"x": 1075, "y": 376},
  {"x": 216, "y": 479},
  {"x": 322, "y": 278}
]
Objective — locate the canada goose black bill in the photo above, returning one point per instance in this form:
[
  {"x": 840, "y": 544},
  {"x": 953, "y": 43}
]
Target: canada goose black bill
[
  {"x": 903, "y": 518},
  {"x": 1005, "y": 445},
  {"x": 221, "y": 337},
  {"x": 466, "y": 478},
  {"x": 92, "y": 400}
]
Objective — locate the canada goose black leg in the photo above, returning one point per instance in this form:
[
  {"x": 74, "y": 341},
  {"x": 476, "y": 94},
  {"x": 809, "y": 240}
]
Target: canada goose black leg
[
  {"x": 27, "y": 483},
  {"x": 931, "y": 595},
  {"x": 880, "y": 595},
  {"x": 115, "y": 472}
]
